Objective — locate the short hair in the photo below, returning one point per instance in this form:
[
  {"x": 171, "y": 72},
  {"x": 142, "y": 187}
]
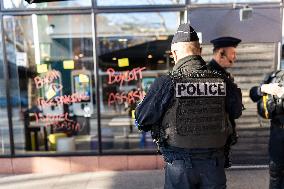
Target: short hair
[
  {"x": 192, "y": 46},
  {"x": 215, "y": 50}
]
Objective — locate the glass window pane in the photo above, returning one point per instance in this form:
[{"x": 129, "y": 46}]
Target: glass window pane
[
  {"x": 133, "y": 51},
  {"x": 138, "y": 2},
  {"x": 4, "y": 125},
  {"x": 22, "y": 4},
  {"x": 52, "y": 82},
  {"x": 282, "y": 51},
  {"x": 232, "y": 1}
]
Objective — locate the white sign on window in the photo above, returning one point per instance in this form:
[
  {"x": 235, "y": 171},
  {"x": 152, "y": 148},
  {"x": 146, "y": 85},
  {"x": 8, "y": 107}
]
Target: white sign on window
[{"x": 21, "y": 59}]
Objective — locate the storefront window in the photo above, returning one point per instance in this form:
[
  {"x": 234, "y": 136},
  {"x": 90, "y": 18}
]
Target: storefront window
[
  {"x": 22, "y": 4},
  {"x": 4, "y": 126},
  {"x": 133, "y": 51},
  {"x": 138, "y": 2},
  {"x": 51, "y": 65}
]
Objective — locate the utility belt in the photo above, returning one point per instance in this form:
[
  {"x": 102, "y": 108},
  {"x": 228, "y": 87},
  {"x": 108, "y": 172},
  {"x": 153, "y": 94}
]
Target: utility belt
[{"x": 175, "y": 153}]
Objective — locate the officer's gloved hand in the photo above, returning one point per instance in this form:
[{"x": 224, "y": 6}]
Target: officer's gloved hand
[
  {"x": 145, "y": 128},
  {"x": 234, "y": 138},
  {"x": 227, "y": 156},
  {"x": 227, "y": 162},
  {"x": 273, "y": 89}
]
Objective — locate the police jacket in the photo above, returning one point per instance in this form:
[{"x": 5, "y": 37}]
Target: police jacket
[
  {"x": 234, "y": 101},
  {"x": 149, "y": 113}
]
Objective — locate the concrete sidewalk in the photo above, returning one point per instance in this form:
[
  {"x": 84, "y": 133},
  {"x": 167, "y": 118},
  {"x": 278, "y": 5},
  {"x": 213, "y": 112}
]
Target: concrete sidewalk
[{"x": 152, "y": 179}]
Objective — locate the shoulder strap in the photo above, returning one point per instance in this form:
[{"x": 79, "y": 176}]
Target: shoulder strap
[{"x": 270, "y": 77}]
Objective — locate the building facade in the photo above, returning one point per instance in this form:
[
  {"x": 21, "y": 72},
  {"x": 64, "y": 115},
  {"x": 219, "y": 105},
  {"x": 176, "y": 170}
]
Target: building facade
[{"x": 72, "y": 72}]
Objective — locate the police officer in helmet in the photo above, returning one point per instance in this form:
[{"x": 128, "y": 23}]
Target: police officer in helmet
[
  {"x": 186, "y": 114},
  {"x": 224, "y": 56}
]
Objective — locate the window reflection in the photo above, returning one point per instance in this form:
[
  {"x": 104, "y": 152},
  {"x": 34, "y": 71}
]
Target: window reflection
[
  {"x": 133, "y": 51},
  {"x": 138, "y": 2},
  {"x": 51, "y": 73},
  {"x": 232, "y": 1},
  {"x": 22, "y": 4},
  {"x": 4, "y": 126}
]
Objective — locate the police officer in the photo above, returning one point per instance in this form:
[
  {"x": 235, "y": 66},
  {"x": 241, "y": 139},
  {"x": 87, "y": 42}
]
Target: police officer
[
  {"x": 276, "y": 140},
  {"x": 224, "y": 56},
  {"x": 185, "y": 112}
]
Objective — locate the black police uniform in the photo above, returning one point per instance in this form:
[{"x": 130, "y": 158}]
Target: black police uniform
[
  {"x": 182, "y": 170},
  {"x": 232, "y": 90},
  {"x": 192, "y": 161},
  {"x": 276, "y": 142}
]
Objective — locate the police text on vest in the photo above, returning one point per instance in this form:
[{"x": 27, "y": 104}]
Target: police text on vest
[{"x": 200, "y": 89}]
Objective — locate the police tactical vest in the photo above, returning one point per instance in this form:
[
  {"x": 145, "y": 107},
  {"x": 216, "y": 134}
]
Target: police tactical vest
[{"x": 197, "y": 117}]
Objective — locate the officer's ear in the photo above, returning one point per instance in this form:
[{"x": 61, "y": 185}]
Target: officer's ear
[
  {"x": 222, "y": 53},
  {"x": 200, "y": 50},
  {"x": 174, "y": 55}
]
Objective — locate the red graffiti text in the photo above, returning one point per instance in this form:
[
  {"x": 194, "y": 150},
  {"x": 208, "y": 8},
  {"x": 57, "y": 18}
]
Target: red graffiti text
[
  {"x": 48, "y": 78},
  {"x": 60, "y": 121},
  {"x": 126, "y": 76},
  {"x": 66, "y": 125},
  {"x": 60, "y": 100},
  {"x": 130, "y": 97},
  {"x": 50, "y": 118}
]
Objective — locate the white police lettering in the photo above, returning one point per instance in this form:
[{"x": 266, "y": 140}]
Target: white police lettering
[{"x": 200, "y": 89}]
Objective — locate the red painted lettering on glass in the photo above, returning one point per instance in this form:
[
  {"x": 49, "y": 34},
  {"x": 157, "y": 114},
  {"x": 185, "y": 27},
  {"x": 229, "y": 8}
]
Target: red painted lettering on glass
[{"x": 126, "y": 76}]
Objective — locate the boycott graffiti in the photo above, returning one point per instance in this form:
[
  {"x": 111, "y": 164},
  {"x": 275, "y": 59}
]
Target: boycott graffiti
[
  {"x": 66, "y": 125},
  {"x": 60, "y": 100},
  {"x": 130, "y": 97},
  {"x": 60, "y": 121},
  {"x": 126, "y": 76},
  {"x": 121, "y": 78},
  {"x": 48, "y": 78},
  {"x": 48, "y": 118}
]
